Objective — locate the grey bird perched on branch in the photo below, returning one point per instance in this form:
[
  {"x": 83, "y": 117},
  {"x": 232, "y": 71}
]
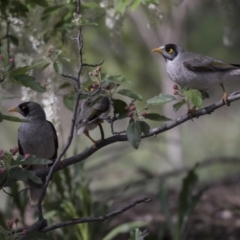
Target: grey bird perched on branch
[
  {"x": 197, "y": 71},
  {"x": 37, "y": 137},
  {"x": 90, "y": 114}
]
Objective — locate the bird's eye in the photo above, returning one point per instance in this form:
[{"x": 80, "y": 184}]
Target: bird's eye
[{"x": 170, "y": 50}]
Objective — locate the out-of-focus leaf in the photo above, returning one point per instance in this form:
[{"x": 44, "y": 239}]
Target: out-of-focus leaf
[
  {"x": 45, "y": 66},
  {"x": 42, "y": 3},
  {"x": 51, "y": 10},
  {"x": 194, "y": 96},
  {"x": 65, "y": 85},
  {"x": 5, "y": 55},
  {"x": 13, "y": 39},
  {"x": 18, "y": 173},
  {"x": 161, "y": 99},
  {"x": 156, "y": 117},
  {"x": 32, "y": 176},
  {"x": 178, "y": 105},
  {"x": 3, "y": 179},
  {"x": 124, "y": 228},
  {"x": 36, "y": 236},
  {"x": 121, "y": 6},
  {"x": 145, "y": 128},
  {"x": 135, "y": 4},
  {"x": 32, "y": 160},
  {"x": 1, "y": 117},
  {"x": 130, "y": 94},
  {"x": 13, "y": 119},
  {"x": 58, "y": 67},
  {"x": 134, "y": 132}
]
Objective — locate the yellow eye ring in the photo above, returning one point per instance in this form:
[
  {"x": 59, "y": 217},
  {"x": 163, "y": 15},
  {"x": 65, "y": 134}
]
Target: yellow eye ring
[{"x": 170, "y": 51}]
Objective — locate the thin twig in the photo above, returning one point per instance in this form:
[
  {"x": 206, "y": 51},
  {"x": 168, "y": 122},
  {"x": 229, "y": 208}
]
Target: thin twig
[
  {"x": 96, "y": 219},
  {"x": 93, "y": 65},
  {"x": 70, "y": 137},
  {"x": 122, "y": 138},
  {"x": 101, "y": 131},
  {"x": 71, "y": 77},
  {"x": 23, "y": 190}
]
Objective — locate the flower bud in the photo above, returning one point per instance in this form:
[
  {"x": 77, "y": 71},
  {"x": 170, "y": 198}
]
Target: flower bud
[
  {"x": 98, "y": 69},
  {"x": 1, "y": 57},
  {"x": 16, "y": 220},
  {"x": 2, "y": 170},
  {"x": 11, "y": 60},
  {"x": 175, "y": 86},
  {"x": 175, "y": 92},
  {"x": 144, "y": 114},
  {"x": 25, "y": 232},
  {"x": 130, "y": 114},
  {"x": 14, "y": 150},
  {"x": 133, "y": 108},
  {"x": 10, "y": 224},
  {"x": 27, "y": 155},
  {"x": 107, "y": 87}
]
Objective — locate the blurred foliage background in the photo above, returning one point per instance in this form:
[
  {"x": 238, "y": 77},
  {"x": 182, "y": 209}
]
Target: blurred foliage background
[{"x": 125, "y": 33}]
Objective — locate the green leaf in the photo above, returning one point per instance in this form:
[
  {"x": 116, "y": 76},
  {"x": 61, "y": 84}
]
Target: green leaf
[
  {"x": 135, "y": 4},
  {"x": 116, "y": 79},
  {"x": 1, "y": 117},
  {"x": 13, "y": 119},
  {"x": 124, "y": 228},
  {"x": 164, "y": 200},
  {"x": 13, "y": 39},
  {"x": 36, "y": 236},
  {"x": 187, "y": 200},
  {"x": 32, "y": 176},
  {"x": 145, "y": 128},
  {"x": 5, "y": 55},
  {"x": 19, "y": 71},
  {"x": 18, "y": 174},
  {"x": 161, "y": 99},
  {"x": 32, "y": 160},
  {"x": 178, "y": 105},
  {"x": 134, "y": 132},
  {"x": 194, "y": 96},
  {"x": 58, "y": 67},
  {"x": 157, "y": 117},
  {"x": 69, "y": 100},
  {"x": 121, "y": 6},
  {"x": 45, "y": 66},
  {"x": 65, "y": 85},
  {"x": 130, "y": 94},
  {"x": 3, "y": 179},
  {"x": 119, "y": 108},
  {"x": 29, "y": 81}
]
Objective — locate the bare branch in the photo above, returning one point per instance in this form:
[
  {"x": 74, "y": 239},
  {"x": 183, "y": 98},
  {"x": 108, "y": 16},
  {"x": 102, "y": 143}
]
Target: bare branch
[
  {"x": 93, "y": 65},
  {"x": 122, "y": 138},
  {"x": 14, "y": 195},
  {"x": 71, "y": 77},
  {"x": 96, "y": 219},
  {"x": 70, "y": 137}
]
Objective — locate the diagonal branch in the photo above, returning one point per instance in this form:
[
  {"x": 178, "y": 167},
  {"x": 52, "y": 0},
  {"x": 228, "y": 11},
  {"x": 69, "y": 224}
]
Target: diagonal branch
[
  {"x": 155, "y": 131},
  {"x": 93, "y": 65},
  {"x": 97, "y": 219}
]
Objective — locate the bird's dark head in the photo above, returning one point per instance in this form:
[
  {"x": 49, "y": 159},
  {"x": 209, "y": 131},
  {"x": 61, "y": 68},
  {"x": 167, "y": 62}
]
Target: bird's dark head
[
  {"x": 30, "y": 110},
  {"x": 169, "y": 51}
]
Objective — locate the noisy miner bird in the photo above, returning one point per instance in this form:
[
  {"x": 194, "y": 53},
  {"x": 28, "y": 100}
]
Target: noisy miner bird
[
  {"x": 90, "y": 114},
  {"x": 37, "y": 137},
  {"x": 197, "y": 71}
]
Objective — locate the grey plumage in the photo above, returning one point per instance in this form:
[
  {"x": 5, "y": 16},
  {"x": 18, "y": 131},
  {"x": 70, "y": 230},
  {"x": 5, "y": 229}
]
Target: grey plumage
[
  {"x": 197, "y": 71},
  {"x": 36, "y": 137},
  {"x": 90, "y": 114}
]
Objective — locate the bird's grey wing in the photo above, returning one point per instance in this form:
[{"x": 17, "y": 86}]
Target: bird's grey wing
[
  {"x": 206, "y": 64},
  {"x": 55, "y": 141}
]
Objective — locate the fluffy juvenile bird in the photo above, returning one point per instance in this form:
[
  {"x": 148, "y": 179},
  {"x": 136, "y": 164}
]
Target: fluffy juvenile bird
[
  {"x": 90, "y": 115},
  {"x": 197, "y": 71},
  {"x": 37, "y": 137}
]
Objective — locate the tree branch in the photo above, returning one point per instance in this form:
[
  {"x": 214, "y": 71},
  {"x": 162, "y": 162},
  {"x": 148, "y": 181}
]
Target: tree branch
[
  {"x": 96, "y": 219},
  {"x": 93, "y": 65},
  {"x": 122, "y": 138},
  {"x": 70, "y": 137},
  {"x": 71, "y": 77}
]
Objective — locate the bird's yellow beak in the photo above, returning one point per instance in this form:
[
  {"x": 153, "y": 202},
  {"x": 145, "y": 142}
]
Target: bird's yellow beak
[
  {"x": 158, "y": 50},
  {"x": 13, "y": 109}
]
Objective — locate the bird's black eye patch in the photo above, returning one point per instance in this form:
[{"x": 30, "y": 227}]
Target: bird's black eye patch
[
  {"x": 24, "y": 109},
  {"x": 169, "y": 50}
]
